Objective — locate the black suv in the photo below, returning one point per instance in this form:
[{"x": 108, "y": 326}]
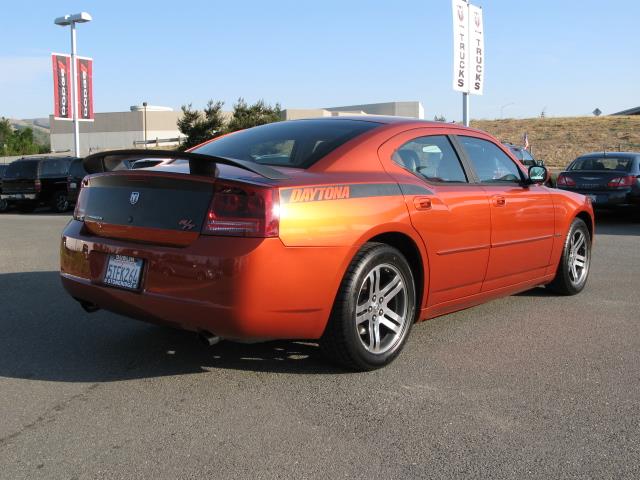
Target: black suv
[
  {"x": 4, "y": 205},
  {"x": 74, "y": 179},
  {"x": 523, "y": 155},
  {"x": 32, "y": 181}
]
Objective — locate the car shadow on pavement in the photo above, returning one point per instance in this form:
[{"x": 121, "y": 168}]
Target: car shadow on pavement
[
  {"x": 45, "y": 335},
  {"x": 618, "y": 222}
]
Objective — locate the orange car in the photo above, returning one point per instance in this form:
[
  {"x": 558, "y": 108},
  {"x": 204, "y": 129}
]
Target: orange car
[{"x": 343, "y": 229}]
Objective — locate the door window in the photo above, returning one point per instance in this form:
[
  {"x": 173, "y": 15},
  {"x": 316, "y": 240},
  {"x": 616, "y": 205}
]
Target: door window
[
  {"x": 491, "y": 164},
  {"x": 431, "y": 157}
]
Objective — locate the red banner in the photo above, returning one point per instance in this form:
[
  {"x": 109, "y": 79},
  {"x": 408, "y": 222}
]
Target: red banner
[
  {"x": 61, "y": 86},
  {"x": 84, "y": 69}
]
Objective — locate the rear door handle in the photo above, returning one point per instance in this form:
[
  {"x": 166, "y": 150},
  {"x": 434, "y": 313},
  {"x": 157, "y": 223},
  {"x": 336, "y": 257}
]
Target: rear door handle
[
  {"x": 422, "y": 203},
  {"x": 499, "y": 201}
]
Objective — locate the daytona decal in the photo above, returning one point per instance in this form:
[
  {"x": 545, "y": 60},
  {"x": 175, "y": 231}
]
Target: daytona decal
[{"x": 338, "y": 192}]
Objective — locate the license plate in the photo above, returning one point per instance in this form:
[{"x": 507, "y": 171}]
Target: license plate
[{"x": 123, "y": 271}]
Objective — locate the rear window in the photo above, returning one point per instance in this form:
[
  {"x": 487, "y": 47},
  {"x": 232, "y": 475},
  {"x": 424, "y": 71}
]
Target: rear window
[
  {"x": 602, "y": 163},
  {"x": 54, "y": 167},
  {"x": 299, "y": 143},
  {"x": 22, "y": 169},
  {"x": 77, "y": 170}
]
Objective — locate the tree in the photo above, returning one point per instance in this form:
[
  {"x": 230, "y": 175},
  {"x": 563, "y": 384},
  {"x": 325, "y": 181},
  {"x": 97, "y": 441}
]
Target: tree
[
  {"x": 439, "y": 118},
  {"x": 201, "y": 126},
  {"x": 18, "y": 142},
  {"x": 247, "y": 116}
]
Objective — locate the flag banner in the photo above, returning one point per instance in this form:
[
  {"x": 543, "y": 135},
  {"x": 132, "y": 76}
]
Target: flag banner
[
  {"x": 460, "y": 45},
  {"x": 84, "y": 72},
  {"x": 476, "y": 50},
  {"x": 61, "y": 86}
]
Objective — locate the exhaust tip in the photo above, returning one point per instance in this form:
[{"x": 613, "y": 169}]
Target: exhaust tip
[
  {"x": 208, "y": 338},
  {"x": 88, "y": 306}
]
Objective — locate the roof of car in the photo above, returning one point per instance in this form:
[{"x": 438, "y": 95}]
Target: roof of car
[
  {"x": 611, "y": 154},
  {"x": 390, "y": 120},
  {"x": 31, "y": 159}
]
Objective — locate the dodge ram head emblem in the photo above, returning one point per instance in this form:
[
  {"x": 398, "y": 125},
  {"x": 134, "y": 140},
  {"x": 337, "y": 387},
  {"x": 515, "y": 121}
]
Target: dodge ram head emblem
[
  {"x": 133, "y": 199},
  {"x": 186, "y": 224}
]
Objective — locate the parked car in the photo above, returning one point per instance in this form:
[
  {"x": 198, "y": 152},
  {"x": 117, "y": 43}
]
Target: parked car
[
  {"x": 74, "y": 179},
  {"x": 32, "y": 181},
  {"x": 4, "y": 205},
  {"x": 371, "y": 224},
  {"x": 608, "y": 179},
  {"x": 523, "y": 155}
]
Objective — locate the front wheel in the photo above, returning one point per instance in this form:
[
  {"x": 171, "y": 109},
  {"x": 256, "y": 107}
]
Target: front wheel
[
  {"x": 573, "y": 270},
  {"x": 373, "y": 311}
]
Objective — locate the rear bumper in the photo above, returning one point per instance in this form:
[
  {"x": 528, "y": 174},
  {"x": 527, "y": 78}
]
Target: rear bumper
[
  {"x": 239, "y": 288},
  {"x": 18, "y": 197},
  {"x": 610, "y": 198}
]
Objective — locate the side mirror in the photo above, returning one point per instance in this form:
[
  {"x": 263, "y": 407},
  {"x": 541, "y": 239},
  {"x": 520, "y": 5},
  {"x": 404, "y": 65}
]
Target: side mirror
[{"x": 538, "y": 174}]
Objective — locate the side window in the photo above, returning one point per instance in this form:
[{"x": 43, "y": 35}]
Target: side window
[
  {"x": 431, "y": 157},
  {"x": 491, "y": 164}
]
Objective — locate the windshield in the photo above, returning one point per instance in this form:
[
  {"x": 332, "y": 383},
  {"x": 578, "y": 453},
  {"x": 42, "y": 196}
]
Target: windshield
[
  {"x": 298, "y": 143},
  {"x": 22, "y": 169},
  {"x": 602, "y": 163}
]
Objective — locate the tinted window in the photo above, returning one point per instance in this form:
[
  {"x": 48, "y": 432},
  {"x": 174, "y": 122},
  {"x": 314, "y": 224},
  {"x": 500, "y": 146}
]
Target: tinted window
[
  {"x": 602, "y": 163},
  {"x": 489, "y": 161},
  {"x": 298, "y": 143},
  {"x": 431, "y": 157},
  {"x": 22, "y": 169},
  {"x": 77, "y": 170},
  {"x": 54, "y": 167},
  {"x": 2, "y": 169}
]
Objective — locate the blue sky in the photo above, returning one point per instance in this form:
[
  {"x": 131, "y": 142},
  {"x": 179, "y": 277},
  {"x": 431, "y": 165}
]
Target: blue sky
[{"x": 566, "y": 57}]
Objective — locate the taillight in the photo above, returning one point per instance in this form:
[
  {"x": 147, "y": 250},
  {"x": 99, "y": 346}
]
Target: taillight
[
  {"x": 566, "y": 181},
  {"x": 38, "y": 185},
  {"x": 81, "y": 203},
  {"x": 626, "y": 181},
  {"x": 241, "y": 210}
]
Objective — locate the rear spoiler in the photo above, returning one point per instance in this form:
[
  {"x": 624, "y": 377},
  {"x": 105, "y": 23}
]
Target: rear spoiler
[{"x": 199, "y": 164}]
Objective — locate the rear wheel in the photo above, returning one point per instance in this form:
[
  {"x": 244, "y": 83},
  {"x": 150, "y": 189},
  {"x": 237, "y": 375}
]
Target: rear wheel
[
  {"x": 373, "y": 311},
  {"x": 60, "y": 202},
  {"x": 4, "y": 205},
  {"x": 573, "y": 270}
]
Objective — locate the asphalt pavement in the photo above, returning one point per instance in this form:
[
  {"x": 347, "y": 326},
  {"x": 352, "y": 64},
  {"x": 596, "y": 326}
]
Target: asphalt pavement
[{"x": 530, "y": 386}]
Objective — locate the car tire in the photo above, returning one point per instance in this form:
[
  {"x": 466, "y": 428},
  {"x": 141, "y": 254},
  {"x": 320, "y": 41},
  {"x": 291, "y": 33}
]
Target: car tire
[
  {"x": 366, "y": 330},
  {"x": 4, "y": 206},
  {"x": 26, "y": 207},
  {"x": 573, "y": 270},
  {"x": 60, "y": 202}
]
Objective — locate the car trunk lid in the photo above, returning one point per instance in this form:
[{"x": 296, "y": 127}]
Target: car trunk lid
[
  {"x": 145, "y": 207},
  {"x": 592, "y": 179}
]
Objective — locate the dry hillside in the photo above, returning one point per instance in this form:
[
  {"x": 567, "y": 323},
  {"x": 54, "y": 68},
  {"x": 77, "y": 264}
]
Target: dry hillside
[{"x": 557, "y": 141}]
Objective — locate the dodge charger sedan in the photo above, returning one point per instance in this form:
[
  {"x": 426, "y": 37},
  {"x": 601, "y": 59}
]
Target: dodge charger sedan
[{"x": 346, "y": 230}]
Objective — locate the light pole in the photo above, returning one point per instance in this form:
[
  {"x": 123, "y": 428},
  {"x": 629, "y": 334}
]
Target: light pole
[
  {"x": 71, "y": 20},
  {"x": 144, "y": 104}
]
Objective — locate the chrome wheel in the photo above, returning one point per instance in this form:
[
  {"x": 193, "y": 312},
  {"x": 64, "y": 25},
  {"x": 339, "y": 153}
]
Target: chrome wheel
[
  {"x": 382, "y": 309},
  {"x": 578, "y": 260}
]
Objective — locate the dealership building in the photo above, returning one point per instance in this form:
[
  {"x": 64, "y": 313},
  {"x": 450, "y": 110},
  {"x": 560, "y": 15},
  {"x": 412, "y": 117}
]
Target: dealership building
[{"x": 157, "y": 126}]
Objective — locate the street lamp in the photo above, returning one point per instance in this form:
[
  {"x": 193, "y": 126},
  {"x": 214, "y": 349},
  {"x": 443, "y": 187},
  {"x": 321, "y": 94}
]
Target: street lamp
[{"x": 71, "y": 20}]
